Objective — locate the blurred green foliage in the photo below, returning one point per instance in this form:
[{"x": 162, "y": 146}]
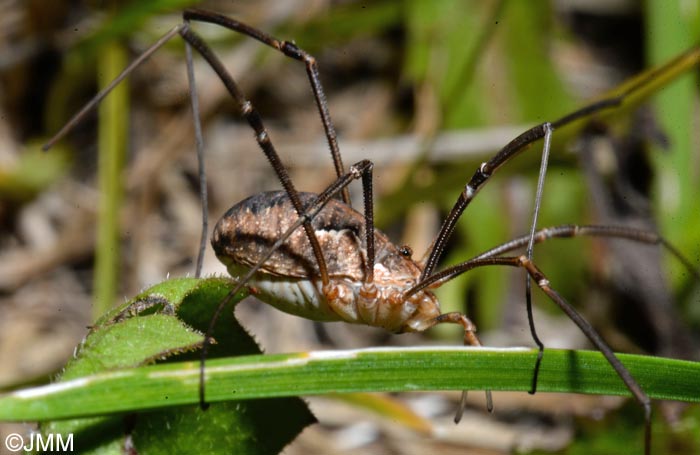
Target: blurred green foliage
[{"x": 31, "y": 174}]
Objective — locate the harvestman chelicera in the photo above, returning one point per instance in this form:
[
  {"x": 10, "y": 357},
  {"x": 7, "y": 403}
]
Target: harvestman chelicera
[{"x": 316, "y": 257}]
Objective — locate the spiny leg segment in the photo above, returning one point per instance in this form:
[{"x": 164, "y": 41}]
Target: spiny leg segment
[
  {"x": 262, "y": 137},
  {"x": 290, "y": 50}
]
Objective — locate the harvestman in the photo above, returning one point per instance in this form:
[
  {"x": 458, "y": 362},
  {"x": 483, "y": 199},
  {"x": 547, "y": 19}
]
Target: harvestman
[{"x": 338, "y": 267}]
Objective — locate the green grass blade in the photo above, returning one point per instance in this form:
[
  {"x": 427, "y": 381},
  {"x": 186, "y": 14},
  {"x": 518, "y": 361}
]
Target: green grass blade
[{"x": 367, "y": 370}]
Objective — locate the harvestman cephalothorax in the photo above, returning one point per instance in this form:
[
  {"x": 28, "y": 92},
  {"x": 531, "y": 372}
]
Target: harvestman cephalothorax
[{"x": 314, "y": 256}]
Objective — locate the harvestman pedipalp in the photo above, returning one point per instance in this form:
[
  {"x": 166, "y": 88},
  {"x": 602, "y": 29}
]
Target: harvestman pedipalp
[{"x": 352, "y": 272}]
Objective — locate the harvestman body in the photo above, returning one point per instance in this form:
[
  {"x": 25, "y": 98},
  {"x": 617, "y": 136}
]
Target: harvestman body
[
  {"x": 338, "y": 267},
  {"x": 249, "y": 228},
  {"x": 369, "y": 280}
]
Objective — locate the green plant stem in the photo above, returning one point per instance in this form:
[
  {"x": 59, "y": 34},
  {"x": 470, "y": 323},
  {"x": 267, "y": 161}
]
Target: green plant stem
[{"x": 113, "y": 133}]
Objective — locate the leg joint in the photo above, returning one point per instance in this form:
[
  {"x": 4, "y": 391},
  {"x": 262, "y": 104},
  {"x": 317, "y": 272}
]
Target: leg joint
[{"x": 292, "y": 50}]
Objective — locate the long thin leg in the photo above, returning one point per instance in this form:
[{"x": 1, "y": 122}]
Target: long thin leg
[
  {"x": 369, "y": 293},
  {"x": 290, "y": 50},
  {"x": 359, "y": 169},
  {"x": 562, "y": 231},
  {"x": 95, "y": 101},
  {"x": 573, "y": 230},
  {"x": 263, "y": 138},
  {"x": 633, "y": 386},
  {"x": 512, "y": 149},
  {"x": 541, "y": 280},
  {"x": 530, "y": 245},
  {"x": 368, "y": 201},
  {"x": 470, "y": 339},
  {"x": 247, "y": 108},
  {"x": 92, "y": 104},
  {"x": 648, "y": 82},
  {"x": 199, "y": 143},
  {"x": 477, "y": 181}
]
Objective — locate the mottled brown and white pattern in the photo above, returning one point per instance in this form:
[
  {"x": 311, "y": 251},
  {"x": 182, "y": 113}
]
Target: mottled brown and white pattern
[{"x": 290, "y": 281}]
